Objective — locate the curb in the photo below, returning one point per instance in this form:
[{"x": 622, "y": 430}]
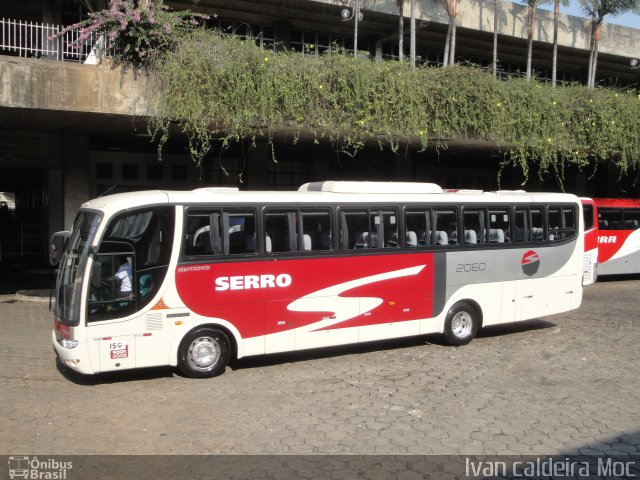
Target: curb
[{"x": 30, "y": 296}]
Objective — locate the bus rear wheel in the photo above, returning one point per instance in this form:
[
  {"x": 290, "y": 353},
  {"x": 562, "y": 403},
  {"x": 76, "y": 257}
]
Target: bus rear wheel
[
  {"x": 462, "y": 323},
  {"x": 204, "y": 353}
]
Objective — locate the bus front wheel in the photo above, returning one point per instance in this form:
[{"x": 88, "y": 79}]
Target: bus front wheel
[
  {"x": 462, "y": 323},
  {"x": 204, "y": 353}
]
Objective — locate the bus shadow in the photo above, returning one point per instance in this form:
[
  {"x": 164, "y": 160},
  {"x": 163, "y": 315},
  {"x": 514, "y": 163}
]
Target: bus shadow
[
  {"x": 515, "y": 327},
  {"x": 382, "y": 345},
  {"x": 133, "y": 375},
  {"x": 337, "y": 351},
  {"x": 618, "y": 278},
  {"x": 154, "y": 373}
]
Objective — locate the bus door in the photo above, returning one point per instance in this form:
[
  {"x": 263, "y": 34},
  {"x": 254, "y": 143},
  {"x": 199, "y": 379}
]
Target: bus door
[
  {"x": 111, "y": 300},
  {"x": 128, "y": 270},
  {"x": 590, "y": 263}
]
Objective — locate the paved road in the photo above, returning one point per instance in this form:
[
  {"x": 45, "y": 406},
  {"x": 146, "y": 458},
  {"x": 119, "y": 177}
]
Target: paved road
[{"x": 565, "y": 384}]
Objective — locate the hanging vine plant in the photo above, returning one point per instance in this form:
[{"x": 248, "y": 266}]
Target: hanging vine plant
[{"x": 218, "y": 88}]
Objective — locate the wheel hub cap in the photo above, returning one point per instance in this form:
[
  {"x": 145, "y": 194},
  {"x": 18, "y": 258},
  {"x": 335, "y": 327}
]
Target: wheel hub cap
[
  {"x": 461, "y": 324},
  {"x": 204, "y": 353}
]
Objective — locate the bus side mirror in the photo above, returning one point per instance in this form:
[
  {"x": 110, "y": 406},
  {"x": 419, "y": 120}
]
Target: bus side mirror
[{"x": 56, "y": 246}]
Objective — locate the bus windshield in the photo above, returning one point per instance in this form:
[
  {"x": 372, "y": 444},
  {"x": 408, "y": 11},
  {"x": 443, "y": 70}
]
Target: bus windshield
[{"x": 73, "y": 266}]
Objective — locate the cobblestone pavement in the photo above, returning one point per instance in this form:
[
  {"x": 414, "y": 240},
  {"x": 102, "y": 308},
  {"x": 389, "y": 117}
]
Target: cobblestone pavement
[{"x": 565, "y": 384}]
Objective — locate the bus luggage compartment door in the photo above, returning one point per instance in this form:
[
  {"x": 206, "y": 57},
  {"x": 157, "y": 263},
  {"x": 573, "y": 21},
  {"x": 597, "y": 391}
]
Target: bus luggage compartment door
[{"x": 117, "y": 353}]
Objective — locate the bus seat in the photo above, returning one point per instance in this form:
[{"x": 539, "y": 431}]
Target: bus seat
[
  {"x": 537, "y": 234},
  {"x": 362, "y": 241},
  {"x": 470, "y": 236},
  {"x": 250, "y": 243},
  {"x": 393, "y": 241},
  {"x": 373, "y": 240},
  {"x": 453, "y": 237},
  {"x": 306, "y": 243},
  {"x": 267, "y": 244},
  {"x": 325, "y": 241},
  {"x": 519, "y": 234},
  {"x": 496, "y": 235},
  {"x": 441, "y": 237},
  {"x": 411, "y": 238}
]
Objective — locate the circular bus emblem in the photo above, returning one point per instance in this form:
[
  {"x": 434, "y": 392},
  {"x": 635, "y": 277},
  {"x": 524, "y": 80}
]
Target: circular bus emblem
[{"x": 530, "y": 263}]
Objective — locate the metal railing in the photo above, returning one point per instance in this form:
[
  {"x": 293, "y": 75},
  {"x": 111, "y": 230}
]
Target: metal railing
[
  {"x": 22, "y": 240},
  {"x": 34, "y": 40}
]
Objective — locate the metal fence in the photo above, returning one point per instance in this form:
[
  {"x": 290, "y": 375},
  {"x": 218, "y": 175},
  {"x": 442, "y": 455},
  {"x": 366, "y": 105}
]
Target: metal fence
[
  {"x": 22, "y": 240},
  {"x": 35, "y": 40}
]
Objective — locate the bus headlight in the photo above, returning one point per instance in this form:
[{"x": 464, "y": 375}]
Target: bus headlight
[{"x": 66, "y": 343}]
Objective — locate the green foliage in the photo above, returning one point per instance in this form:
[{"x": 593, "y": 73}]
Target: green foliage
[
  {"x": 222, "y": 88},
  {"x": 136, "y": 34}
]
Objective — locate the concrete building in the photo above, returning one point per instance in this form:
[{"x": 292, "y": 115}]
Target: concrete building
[{"x": 70, "y": 131}]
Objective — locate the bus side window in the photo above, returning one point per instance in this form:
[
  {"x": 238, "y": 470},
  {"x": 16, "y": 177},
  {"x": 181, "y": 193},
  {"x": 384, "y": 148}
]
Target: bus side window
[
  {"x": 280, "y": 229},
  {"x": 316, "y": 228},
  {"x": 198, "y": 234},
  {"x": 384, "y": 224},
  {"x": 499, "y": 226},
  {"x": 631, "y": 219},
  {"x": 446, "y": 227},
  {"x": 562, "y": 223},
  {"x": 609, "y": 218},
  {"x": 417, "y": 224},
  {"x": 473, "y": 226},
  {"x": 242, "y": 232},
  {"x": 537, "y": 225},
  {"x": 522, "y": 225}
]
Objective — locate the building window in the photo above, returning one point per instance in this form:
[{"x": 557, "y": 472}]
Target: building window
[
  {"x": 178, "y": 173},
  {"x": 154, "y": 172},
  {"x": 129, "y": 171},
  {"x": 104, "y": 170},
  {"x": 263, "y": 35}
]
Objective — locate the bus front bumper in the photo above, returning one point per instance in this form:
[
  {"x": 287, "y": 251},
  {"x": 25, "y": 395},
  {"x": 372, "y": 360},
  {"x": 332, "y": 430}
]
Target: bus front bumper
[{"x": 76, "y": 358}]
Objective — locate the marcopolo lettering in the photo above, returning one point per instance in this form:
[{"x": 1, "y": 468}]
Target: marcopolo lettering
[{"x": 248, "y": 282}]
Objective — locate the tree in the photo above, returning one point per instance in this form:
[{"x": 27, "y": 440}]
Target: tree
[
  {"x": 496, "y": 15},
  {"x": 400, "y": 29},
  {"x": 412, "y": 45},
  {"x": 556, "y": 18},
  {"x": 531, "y": 21},
  {"x": 450, "y": 44},
  {"x": 596, "y": 11}
]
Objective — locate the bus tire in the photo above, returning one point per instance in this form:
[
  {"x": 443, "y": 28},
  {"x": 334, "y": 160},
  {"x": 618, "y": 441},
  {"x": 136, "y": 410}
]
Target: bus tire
[
  {"x": 461, "y": 324},
  {"x": 204, "y": 353}
]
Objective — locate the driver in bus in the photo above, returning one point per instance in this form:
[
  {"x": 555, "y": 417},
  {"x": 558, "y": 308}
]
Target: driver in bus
[{"x": 123, "y": 278}]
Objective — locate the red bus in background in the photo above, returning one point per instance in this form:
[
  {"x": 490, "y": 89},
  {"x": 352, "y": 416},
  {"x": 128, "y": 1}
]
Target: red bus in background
[
  {"x": 590, "y": 264},
  {"x": 618, "y": 235}
]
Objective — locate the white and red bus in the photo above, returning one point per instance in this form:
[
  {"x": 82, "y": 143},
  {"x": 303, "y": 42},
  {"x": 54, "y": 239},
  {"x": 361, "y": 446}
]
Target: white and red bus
[
  {"x": 618, "y": 235},
  {"x": 218, "y": 273},
  {"x": 590, "y": 218}
]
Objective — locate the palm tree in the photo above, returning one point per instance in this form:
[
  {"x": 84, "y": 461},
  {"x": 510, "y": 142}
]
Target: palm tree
[
  {"x": 450, "y": 44},
  {"x": 496, "y": 14},
  {"x": 596, "y": 11},
  {"x": 400, "y": 29},
  {"x": 412, "y": 45},
  {"x": 556, "y": 15},
  {"x": 531, "y": 20}
]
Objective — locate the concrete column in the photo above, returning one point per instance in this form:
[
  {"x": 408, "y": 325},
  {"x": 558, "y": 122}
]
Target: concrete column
[
  {"x": 258, "y": 159},
  {"x": 283, "y": 36},
  {"x": 76, "y": 175},
  {"x": 56, "y": 201},
  {"x": 52, "y": 15}
]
